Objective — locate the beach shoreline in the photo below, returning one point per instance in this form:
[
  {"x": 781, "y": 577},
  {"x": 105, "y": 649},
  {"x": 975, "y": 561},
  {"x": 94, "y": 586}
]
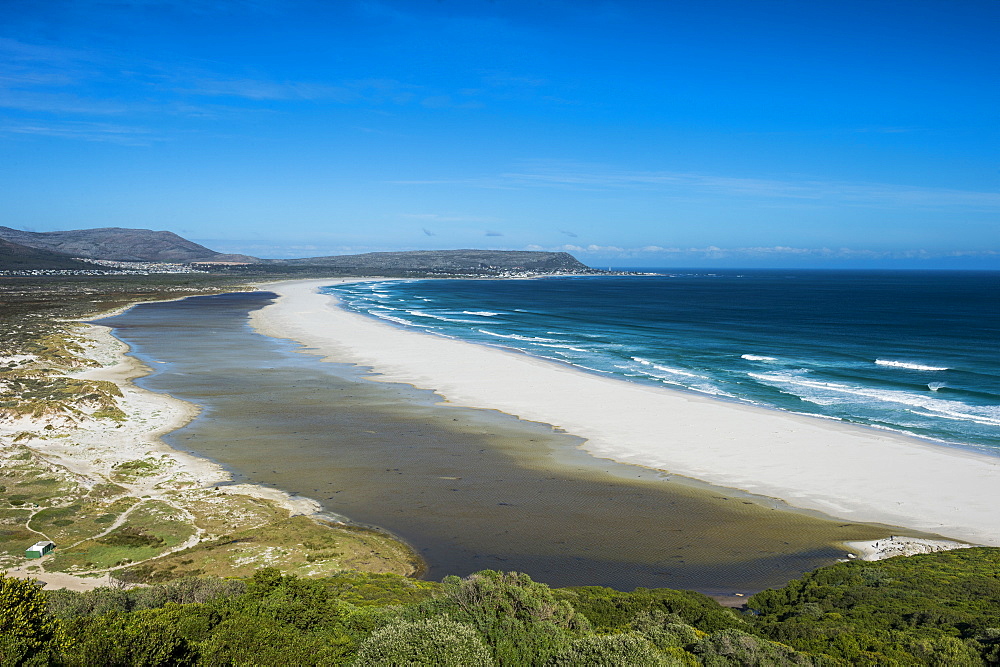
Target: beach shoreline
[
  {"x": 90, "y": 452},
  {"x": 841, "y": 470}
]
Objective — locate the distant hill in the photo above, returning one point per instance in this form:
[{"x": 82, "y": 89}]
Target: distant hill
[
  {"x": 16, "y": 257},
  {"x": 450, "y": 260},
  {"x": 145, "y": 245},
  {"x": 120, "y": 244}
]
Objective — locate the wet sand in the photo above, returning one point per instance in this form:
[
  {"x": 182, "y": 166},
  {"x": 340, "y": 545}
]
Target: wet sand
[
  {"x": 852, "y": 472},
  {"x": 468, "y": 488}
]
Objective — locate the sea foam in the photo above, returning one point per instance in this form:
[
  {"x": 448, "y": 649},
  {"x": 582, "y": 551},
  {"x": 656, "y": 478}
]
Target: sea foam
[
  {"x": 833, "y": 393},
  {"x": 666, "y": 369},
  {"x": 908, "y": 365},
  {"x": 528, "y": 339},
  {"x": 702, "y": 339}
]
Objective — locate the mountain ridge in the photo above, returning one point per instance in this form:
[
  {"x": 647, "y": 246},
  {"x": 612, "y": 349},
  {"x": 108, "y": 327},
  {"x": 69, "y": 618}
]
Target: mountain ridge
[
  {"x": 18, "y": 256},
  {"x": 145, "y": 245},
  {"x": 450, "y": 260},
  {"x": 119, "y": 244}
]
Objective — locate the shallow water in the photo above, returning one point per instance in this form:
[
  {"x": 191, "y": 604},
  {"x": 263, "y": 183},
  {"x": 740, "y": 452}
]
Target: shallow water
[{"x": 468, "y": 489}]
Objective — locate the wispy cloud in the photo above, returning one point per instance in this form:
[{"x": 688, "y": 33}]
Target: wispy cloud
[
  {"x": 498, "y": 79},
  {"x": 254, "y": 89},
  {"x": 448, "y": 102},
  {"x": 85, "y": 131},
  {"x": 46, "y": 82},
  {"x": 67, "y": 103},
  {"x": 596, "y": 178},
  {"x": 197, "y": 7},
  {"x": 371, "y": 91},
  {"x": 449, "y": 217},
  {"x": 16, "y": 51},
  {"x": 716, "y": 252}
]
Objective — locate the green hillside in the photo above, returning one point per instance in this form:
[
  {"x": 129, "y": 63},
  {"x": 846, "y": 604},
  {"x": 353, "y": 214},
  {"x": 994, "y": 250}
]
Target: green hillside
[{"x": 933, "y": 609}]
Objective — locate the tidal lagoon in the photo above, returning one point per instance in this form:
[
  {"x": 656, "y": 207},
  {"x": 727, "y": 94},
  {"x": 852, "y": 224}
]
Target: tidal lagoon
[{"x": 468, "y": 488}]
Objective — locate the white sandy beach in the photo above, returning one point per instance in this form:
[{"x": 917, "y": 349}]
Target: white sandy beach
[
  {"x": 846, "y": 471},
  {"x": 88, "y": 450}
]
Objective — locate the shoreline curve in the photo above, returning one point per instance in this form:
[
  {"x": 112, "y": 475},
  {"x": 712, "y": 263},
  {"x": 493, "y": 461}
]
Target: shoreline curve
[{"x": 842, "y": 470}]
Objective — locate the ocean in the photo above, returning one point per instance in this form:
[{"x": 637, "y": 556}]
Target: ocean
[{"x": 916, "y": 352}]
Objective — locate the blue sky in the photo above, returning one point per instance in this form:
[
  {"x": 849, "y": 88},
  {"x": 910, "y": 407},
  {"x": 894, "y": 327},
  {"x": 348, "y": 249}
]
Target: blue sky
[{"x": 709, "y": 133}]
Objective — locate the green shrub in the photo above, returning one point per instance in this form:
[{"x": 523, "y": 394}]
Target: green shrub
[
  {"x": 930, "y": 608},
  {"x": 433, "y": 641},
  {"x": 521, "y": 620},
  {"x": 259, "y": 640},
  {"x": 611, "y": 651},
  {"x": 141, "y": 638},
  {"x": 613, "y": 611},
  {"x": 28, "y": 632},
  {"x": 735, "y": 647}
]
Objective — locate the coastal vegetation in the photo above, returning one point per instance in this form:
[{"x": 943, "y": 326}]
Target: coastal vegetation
[
  {"x": 217, "y": 574},
  {"x": 929, "y": 609},
  {"x": 80, "y": 464}
]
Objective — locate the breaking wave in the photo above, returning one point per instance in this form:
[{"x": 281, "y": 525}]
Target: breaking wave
[
  {"x": 908, "y": 365},
  {"x": 835, "y": 393},
  {"x": 529, "y": 339}
]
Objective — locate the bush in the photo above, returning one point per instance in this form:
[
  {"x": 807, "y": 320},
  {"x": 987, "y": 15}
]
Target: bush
[
  {"x": 611, "y": 651},
  {"x": 258, "y": 640},
  {"x": 735, "y": 647},
  {"x": 433, "y": 641},
  {"x": 613, "y": 611},
  {"x": 666, "y": 630},
  {"x": 140, "y": 638},
  {"x": 936, "y": 608},
  {"x": 28, "y": 632},
  {"x": 521, "y": 620}
]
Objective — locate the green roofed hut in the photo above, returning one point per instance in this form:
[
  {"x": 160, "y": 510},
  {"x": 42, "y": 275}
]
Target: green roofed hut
[{"x": 39, "y": 549}]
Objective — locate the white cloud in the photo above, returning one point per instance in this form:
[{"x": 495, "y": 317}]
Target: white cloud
[
  {"x": 450, "y": 217},
  {"x": 716, "y": 252},
  {"x": 254, "y": 89},
  {"x": 102, "y": 132}
]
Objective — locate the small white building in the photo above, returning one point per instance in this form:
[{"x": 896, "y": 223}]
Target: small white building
[{"x": 39, "y": 549}]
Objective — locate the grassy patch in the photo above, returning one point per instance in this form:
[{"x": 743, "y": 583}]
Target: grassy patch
[
  {"x": 82, "y": 520},
  {"x": 32, "y": 325},
  {"x": 30, "y": 481},
  {"x": 14, "y": 537},
  {"x": 150, "y": 529},
  {"x": 298, "y": 545},
  {"x": 131, "y": 537},
  {"x": 130, "y": 471},
  {"x": 219, "y": 513}
]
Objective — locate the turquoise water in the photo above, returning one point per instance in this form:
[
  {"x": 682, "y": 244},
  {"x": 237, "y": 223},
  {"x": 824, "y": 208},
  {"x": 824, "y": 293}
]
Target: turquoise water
[{"x": 914, "y": 352}]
